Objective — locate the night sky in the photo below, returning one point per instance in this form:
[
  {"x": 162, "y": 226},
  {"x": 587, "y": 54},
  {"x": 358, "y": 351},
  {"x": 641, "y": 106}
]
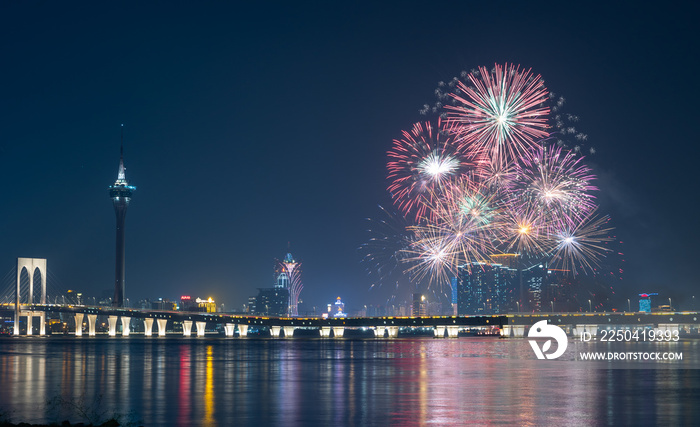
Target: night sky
[{"x": 251, "y": 125}]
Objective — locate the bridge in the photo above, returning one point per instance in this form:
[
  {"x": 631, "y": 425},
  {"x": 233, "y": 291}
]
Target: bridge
[
  {"x": 85, "y": 317},
  {"x": 125, "y": 320},
  {"x": 513, "y": 325}
]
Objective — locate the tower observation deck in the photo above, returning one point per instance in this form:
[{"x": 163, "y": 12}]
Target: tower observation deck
[{"x": 120, "y": 193}]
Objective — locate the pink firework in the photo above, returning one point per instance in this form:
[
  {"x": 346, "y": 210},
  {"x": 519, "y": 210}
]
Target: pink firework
[
  {"x": 556, "y": 183},
  {"x": 421, "y": 165},
  {"x": 500, "y": 113}
]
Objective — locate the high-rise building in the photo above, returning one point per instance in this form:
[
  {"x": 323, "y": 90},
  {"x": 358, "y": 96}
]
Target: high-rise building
[
  {"x": 288, "y": 276},
  {"x": 419, "y": 305},
  {"x": 533, "y": 279},
  {"x": 120, "y": 193},
  {"x": 455, "y": 295},
  {"x": 271, "y": 302},
  {"x": 486, "y": 288}
]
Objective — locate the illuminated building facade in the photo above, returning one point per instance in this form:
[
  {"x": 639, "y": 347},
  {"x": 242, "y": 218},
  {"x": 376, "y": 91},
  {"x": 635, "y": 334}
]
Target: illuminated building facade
[
  {"x": 534, "y": 278},
  {"x": 455, "y": 296},
  {"x": 206, "y": 305},
  {"x": 339, "y": 308},
  {"x": 288, "y": 276},
  {"x": 645, "y": 302},
  {"x": 419, "y": 305},
  {"x": 486, "y": 288},
  {"x": 187, "y": 303},
  {"x": 120, "y": 193}
]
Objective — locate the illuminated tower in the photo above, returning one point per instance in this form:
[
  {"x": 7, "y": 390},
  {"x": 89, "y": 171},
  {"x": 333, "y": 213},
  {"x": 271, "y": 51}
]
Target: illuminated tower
[
  {"x": 289, "y": 275},
  {"x": 120, "y": 193}
]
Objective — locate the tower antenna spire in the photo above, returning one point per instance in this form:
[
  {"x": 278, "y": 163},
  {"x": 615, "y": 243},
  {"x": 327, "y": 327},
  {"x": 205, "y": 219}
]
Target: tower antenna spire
[{"x": 121, "y": 148}]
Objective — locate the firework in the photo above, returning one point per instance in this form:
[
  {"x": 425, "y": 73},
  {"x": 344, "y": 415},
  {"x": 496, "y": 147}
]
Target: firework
[
  {"x": 565, "y": 127},
  {"x": 462, "y": 231},
  {"x": 579, "y": 247},
  {"x": 431, "y": 255},
  {"x": 491, "y": 179},
  {"x": 385, "y": 252},
  {"x": 421, "y": 164},
  {"x": 524, "y": 232},
  {"x": 500, "y": 113},
  {"x": 557, "y": 183},
  {"x": 496, "y": 174}
]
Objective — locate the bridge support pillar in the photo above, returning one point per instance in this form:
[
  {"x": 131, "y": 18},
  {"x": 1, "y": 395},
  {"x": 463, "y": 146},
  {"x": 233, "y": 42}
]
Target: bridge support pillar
[
  {"x": 452, "y": 331},
  {"x": 325, "y": 331},
  {"x": 379, "y": 332},
  {"x": 112, "y": 325},
  {"x": 200, "y": 328},
  {"x": 148, "y": 326},
  {"x": 162, "y": 323},
  {"x": 42, "y": 325},
  {"x": 79, "y": 324},
  {"x": 186, "y": 328},
  {"x": 338, "y": 331},
  {"x": 126, "y": 326},
  {"x": 288, "y": 331},
  {"x": 393, "y": 331},
  {"x": 517, "y": 331},
  {"x": 92, "y": 319},
  {"x": 229, "y": 328},
  {"x": 439, "y": 331},
  {"x": 275, "y": 331},
  {"x": 242, "y": 330},
  {"x": 16, "y": 326},
  {"x": 30, "y": 325}
]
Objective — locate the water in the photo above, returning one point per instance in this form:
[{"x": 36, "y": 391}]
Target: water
[{"x": 300, "y": 382}]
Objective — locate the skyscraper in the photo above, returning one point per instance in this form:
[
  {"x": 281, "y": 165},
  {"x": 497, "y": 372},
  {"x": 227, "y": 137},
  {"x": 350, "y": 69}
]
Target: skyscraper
[
  {"x": 288, "y": 275},
  {"x": 484, "y": 288},
  {"x": 120, "y": 193}
]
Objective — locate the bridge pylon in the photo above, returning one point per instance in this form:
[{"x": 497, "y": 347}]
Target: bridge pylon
[{"x": 31, "y": 265}]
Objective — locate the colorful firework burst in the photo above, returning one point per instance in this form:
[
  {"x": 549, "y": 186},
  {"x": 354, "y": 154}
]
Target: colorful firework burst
[
  {"x": 492, "y": 180},
  {"x": 579, "y": 246},
  {"x": 557, "y": 183},
  {"x": 421, "y": 164},
  {"x": 524, "y": 232},
  {"x": 499, "y": 113}
]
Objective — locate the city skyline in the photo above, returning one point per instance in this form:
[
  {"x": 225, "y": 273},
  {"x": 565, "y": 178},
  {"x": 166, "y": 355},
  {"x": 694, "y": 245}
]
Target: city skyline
[{"x": 234, "y": 160}]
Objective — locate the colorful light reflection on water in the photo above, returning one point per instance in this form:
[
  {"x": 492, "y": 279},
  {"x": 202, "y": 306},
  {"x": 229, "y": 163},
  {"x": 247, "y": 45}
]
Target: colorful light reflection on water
[{"x": 482, "y": 381}]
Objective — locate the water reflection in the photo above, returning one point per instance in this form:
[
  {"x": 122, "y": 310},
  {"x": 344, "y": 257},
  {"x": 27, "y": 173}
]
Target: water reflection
[{"x": 298, "y": 382}]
